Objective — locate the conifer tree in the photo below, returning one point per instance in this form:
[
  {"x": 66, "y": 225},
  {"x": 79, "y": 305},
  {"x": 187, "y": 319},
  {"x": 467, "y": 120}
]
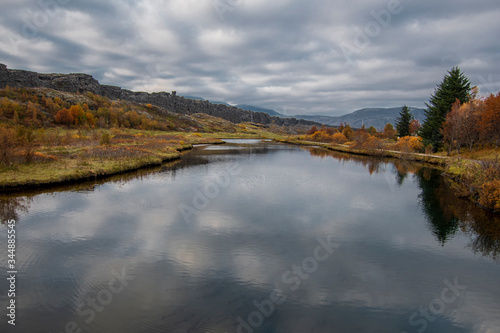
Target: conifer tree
[
  {"x": 454, "y": 86},
  {"x": 403, "y": 121}
]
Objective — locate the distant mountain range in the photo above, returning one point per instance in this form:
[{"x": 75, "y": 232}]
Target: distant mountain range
[
  {"x": 259, "y": 109},
  {"x": 376, "y": 117}
]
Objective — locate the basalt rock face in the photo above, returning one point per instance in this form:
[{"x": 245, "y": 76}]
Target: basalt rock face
[
  {"x": 80, "y": 83},
  {"x": 65, "y": 82}
]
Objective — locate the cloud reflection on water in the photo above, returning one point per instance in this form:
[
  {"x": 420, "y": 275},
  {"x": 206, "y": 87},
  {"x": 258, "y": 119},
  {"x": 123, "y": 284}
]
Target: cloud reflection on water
[{"x": 205, "y": 274}]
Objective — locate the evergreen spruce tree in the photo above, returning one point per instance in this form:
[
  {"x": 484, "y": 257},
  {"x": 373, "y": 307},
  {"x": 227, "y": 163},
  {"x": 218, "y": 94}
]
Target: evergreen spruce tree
[
  {"x": 454, "y": 86},
  {"x": 403, "y": 121}
]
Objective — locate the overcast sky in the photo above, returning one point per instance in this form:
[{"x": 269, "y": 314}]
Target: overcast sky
[{"x": 293, "y": 56}]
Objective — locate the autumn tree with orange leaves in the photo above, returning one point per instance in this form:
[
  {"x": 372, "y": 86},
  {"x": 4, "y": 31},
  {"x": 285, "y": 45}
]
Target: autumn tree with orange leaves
[
  {"x": 389, "y": 131},
  {"x": 313, "y": 130},
  {"x": 64, "y": 117},
  {"x": 489, "y": 120},
  {"x": 415, "y": 126},
  {"x": 460, "y": 127},
  {"x": 473, "y": 122}
]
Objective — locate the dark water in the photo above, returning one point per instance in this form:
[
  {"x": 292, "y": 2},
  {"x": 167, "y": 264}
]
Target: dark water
[{"x": 254, "y": 237}]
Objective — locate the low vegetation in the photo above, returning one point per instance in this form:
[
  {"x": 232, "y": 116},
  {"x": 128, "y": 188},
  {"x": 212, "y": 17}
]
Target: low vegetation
[
  {"x": 59, "y": 155},
  {"x": 49, "y": 136},
  {"x": 368, "y": 142},
  {"x": 481, "y": 180}
]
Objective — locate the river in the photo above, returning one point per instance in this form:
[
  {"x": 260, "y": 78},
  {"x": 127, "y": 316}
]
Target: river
[{"x": 254, "y": 236}]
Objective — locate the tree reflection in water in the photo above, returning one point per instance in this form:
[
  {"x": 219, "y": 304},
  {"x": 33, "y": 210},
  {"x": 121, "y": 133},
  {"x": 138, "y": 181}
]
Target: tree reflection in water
[
  {"x": 438, "y": 204},
  {"x": 447, "y": 214},
  {"x": 10, "y": 207}
]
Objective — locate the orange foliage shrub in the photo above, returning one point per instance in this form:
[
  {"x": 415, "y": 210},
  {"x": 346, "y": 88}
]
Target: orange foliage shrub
[
  {"x": 416, "y": 143},
  {"x": 78, "y": 114},
  {"x": 313, "y": 130},
  {"x": 64, "y": 117},
  {"x": 373, "y": 143},
  {"x": 75, "y": 115},
  {"x": 489, "y": 194},
  {"x": 338, "y": 138},
  {"x": 148, "y": 124},
  {"x": 131, "y": 119},
  {"x": 409, "y": 144},
  {"x": 319, "y": 136},
  {"x": 90, "y": 119},
  {"x": 360, "y": 137},
  {"x": 325, "y": 134}
]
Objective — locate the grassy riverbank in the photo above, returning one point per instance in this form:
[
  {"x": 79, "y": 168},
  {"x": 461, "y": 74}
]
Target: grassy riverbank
[
  {"x": 88, "y": 154},
  {"x": 74, "y": 155},
  {"x": 478, "y": 180}
]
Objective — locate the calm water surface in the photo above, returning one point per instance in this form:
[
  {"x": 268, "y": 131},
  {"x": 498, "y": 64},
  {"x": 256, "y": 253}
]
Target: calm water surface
[{"x": 255, "y": 237}]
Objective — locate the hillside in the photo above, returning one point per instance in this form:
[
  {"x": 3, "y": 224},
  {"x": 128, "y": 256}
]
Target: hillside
[
  {"x": 46, "y": 108},
  {"x": 376, "y": 117},
  {"x": 81, "y": 83}
]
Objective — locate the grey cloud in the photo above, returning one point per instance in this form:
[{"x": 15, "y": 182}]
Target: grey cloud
[{"x": 286, "y": 55}]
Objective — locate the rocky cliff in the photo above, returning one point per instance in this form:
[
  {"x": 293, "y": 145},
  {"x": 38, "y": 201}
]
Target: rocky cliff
[{"x": 80, "y": 83}]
